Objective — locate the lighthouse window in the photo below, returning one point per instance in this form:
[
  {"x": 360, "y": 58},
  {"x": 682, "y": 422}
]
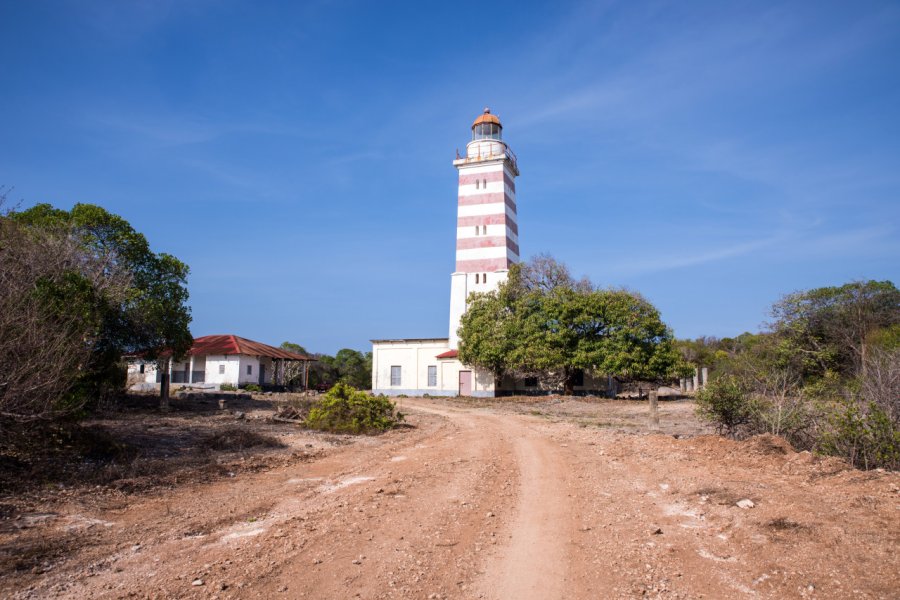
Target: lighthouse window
[
  {"x": 476, "y": 278},
  {"x": 484, "y": 230},
  {"x": 484, "y": 183},
  {"x": 476, "y": 230},
  {"x": 476, "y": 184},
  {"x": 484, "y": 278}
]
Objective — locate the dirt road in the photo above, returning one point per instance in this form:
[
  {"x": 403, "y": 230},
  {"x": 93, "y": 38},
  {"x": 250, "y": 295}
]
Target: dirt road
[{"x": 481, "y": 502}]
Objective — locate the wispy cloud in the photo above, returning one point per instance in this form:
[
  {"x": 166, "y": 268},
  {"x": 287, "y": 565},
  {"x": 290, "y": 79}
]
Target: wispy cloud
[
  {"x": 783, "y": 246},
  {"x": 168, "y": 128}
]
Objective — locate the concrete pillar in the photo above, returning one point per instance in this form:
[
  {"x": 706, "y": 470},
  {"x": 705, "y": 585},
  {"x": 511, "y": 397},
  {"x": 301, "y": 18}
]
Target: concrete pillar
[
  {"x": 689, "y": 385},
  {"x": 696, "y": 380},
  {"x": 682, "y": 384},
  {"x": 704, "y": 376},
  {"x": 654, "y": 410},
  {"x": 191, "y": 370}
]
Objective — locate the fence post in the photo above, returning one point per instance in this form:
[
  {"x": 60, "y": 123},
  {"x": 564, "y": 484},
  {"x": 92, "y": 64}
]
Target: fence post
[{"x": 654, "y": 410}]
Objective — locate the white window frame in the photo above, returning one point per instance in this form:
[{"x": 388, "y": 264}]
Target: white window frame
[
  {"x": 396, "y": 376},
  {"x": 432, "y": 375}
]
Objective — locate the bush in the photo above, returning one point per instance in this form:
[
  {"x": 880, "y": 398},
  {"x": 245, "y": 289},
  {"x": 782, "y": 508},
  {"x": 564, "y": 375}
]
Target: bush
[
  {"x": 252, "y": 387},
  {"x": 791, "y": 417},
  {"x": 726, "y": 403},
  {"x": 227, "y": 387},
  {"x": 863, "y": 433},
  {"x": 346, "y": 410}
]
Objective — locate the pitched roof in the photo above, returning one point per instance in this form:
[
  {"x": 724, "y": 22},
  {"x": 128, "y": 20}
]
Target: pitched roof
[
  {"x": 448, "y": 354},
  {"x": 233, "y": 344}
]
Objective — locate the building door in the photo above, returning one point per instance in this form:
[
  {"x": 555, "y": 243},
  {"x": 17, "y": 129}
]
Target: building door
[
  {"x": 465, "y": 383},
  {"x": 262, "y": 374}
]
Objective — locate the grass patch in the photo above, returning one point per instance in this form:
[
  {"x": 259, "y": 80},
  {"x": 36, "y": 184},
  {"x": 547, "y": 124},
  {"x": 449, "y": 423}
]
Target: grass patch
[{"x": 235, "y": 439}]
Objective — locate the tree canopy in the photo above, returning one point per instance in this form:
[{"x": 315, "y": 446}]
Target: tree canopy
[
  {"x": 825, "y": 375},
  {"x": 542, "y": 321},
  {"x": 347, "y": 366},
  {"x": 832, "y": 326},
  {"x": 86, "y": 279}
]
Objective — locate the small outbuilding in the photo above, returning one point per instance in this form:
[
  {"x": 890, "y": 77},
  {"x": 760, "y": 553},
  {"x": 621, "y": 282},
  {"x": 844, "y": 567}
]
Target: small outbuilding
[{"x": 214, "y": 360}]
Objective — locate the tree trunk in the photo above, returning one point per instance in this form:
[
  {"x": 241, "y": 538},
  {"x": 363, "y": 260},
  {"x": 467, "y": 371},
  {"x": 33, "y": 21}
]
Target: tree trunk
[
  {"x": 164, "y": 391},
  {"x": 569, "y": 383},
  {"x": 164, "y": 367}
]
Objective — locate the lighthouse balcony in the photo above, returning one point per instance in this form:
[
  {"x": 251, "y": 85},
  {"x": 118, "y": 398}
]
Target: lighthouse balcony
[{"x": 484, "y": 150}]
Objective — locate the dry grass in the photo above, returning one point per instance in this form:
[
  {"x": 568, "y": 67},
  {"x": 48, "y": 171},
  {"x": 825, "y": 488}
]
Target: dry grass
[
  {"x": 785, "y": 524},
  {"x": 235, "y": 439}
]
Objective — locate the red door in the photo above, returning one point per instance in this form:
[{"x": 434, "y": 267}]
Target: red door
[{"x": 465, "y": 383}]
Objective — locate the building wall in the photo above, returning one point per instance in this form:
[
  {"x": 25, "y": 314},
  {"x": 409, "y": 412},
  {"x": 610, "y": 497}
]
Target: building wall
[
  {"x": 218, "y": 369},
  {"x": 253, "y": 363},
  {"x": 231, "y": 364},
  {"x": 414, "y": 357},
  {"x": 594, "y": 384},
  {"x": 134, "y": 372}
]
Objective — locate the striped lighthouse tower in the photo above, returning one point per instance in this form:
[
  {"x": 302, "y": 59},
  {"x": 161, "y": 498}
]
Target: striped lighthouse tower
[{"x": 487, "y": 236}]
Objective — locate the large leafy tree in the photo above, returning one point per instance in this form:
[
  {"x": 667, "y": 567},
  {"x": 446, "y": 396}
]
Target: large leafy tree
[
  {"x": 148, "y": 313},
  {"x": 831, "y": 327},
  {"x": 542, "y": 321}
]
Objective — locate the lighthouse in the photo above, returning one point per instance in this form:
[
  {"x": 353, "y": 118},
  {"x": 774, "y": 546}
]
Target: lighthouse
[
  {"x": 487, "y": 245},
  {"x": 487, "y": 233}
]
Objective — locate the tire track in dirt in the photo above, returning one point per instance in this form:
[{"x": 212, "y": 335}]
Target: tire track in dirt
[{"x": 532, "y": 563}]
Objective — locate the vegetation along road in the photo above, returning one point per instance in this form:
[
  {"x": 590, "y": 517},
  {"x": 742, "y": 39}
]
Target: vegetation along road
[{"x": 515, "y": 499}]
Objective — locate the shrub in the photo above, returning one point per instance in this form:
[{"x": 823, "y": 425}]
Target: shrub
[
  {"x": 346, "y": 410},
  {"x": 726, "y": 403},
  {"x": 252, "y": 387},
  {"x": 791, "y": 417},
  {"x": 227, "y": 387},
  {"x": 863, "y": 433}
]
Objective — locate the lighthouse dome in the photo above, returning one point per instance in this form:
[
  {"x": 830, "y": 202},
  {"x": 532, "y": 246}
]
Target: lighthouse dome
[{"x": 486, "y": 126}]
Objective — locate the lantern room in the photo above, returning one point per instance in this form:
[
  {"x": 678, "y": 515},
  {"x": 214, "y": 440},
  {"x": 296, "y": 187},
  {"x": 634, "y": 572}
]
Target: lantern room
[{"x": 487, "y": 127}]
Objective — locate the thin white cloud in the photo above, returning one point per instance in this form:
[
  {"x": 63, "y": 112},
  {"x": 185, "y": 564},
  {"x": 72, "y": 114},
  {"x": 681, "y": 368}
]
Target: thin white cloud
[{"x": 879, "y": 241}]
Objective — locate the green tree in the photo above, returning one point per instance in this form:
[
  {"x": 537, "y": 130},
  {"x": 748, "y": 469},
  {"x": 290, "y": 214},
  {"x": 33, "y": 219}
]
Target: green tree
[
  {"x": 354, "y": 368},
  {"x": 545, "y": 322},
  {"x": 831, "y": 326},
  {"x": 151, "y": 317}
]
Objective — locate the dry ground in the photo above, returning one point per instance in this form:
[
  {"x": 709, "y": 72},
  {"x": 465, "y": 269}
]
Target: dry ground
[{"x": 525, "y": 499}]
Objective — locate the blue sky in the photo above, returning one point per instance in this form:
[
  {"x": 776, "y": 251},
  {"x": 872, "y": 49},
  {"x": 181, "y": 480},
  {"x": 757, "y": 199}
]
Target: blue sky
[{"x": 297, "y": 155}]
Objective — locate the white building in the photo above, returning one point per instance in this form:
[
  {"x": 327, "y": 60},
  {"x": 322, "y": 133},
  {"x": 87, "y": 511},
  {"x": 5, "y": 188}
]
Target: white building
[
  {"x": 487, "y": 244},
  {"x": 214, "y": 360}
]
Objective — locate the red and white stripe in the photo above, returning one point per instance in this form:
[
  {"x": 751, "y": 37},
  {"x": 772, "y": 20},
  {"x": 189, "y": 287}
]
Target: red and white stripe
[{"x": 487, "y": 235}]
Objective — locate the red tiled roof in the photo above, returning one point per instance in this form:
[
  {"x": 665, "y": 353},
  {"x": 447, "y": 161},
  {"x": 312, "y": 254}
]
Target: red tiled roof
[
  {"x": 233, "y": 344},
  {"x": 448, "y": 354}
]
